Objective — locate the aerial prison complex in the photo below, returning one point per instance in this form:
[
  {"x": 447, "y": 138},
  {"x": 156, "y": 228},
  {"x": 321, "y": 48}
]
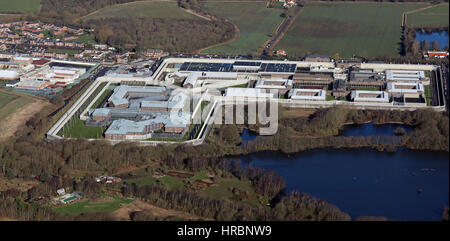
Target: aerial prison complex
[
  {"x": 139, "y": 105},
  {"x": 316, "y": 81},
  {"x": 141, "y": 112}
]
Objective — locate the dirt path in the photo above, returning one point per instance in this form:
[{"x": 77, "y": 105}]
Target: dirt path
[
  {"x": 278, "y": 36},
  {"x": 405, "y": 14},
  {"x": 124, "y": 212}
]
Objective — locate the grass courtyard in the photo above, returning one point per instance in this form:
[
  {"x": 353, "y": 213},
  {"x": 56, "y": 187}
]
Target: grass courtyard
[
  {"x": 255, "y": 22},
  {"x": 361, "y": 29}
]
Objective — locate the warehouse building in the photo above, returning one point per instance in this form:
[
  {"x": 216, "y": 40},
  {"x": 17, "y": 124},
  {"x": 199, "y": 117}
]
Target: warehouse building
[{"x": 8, "y": 75}]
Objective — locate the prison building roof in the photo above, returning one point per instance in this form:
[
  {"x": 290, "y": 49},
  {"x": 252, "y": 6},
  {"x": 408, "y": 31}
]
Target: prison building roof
[
  {"x": 405, "y": 87},
  {"x": 247, "y": 63},
  {"x": 206, "y": 67},
  {"x": 101, "y": 112},
  {"x": 273, "y": 83},
  {"x": 369, "y": 96},
  {"x": 307, "y": 94},
  {"x": 247, "y": 92},
  {"x": 119, "y": 97},
  {"x": 277, "y": 68},
  {"x": 405, "y": 75},
  {"x": 124, "y": 126}
]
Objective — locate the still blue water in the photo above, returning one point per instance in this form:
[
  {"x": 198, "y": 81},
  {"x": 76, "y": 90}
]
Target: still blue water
[
  {"x": 441, "y": 37},
  {"x": 365, "y": 182},
  {"x": 370, "y": 129}
]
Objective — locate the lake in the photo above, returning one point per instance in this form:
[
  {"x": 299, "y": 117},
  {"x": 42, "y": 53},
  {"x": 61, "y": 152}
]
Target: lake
[
  {"x": 365, "y": 182},
  {"x": 441, "y": 37},
  {"x": 370, "y": 129}
]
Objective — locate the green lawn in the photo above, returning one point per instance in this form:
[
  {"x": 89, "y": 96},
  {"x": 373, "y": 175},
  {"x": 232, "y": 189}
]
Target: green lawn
[
  {"x": 14, "y": 6},
  {"x": 88, "y": 206},
  {"x": 330, "y": 98},
  {"x": 432, "y": 17},
  {"x": 76, "y": 128},
  {"x": 427, "y": 94},
  {"x": 63, "y": 51},
  {"x": 87, "y": 38},
  {"x": 364, "y": 29},
  {"x": 254, "y": 20},
  {"x": 167, "y": 10}
]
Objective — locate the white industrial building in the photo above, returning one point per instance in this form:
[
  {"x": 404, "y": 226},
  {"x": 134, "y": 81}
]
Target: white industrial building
[
  {"x": 405, "y": 75},
  {"x": 8, "y": 74},
  {"x": 248, "y": 92}
]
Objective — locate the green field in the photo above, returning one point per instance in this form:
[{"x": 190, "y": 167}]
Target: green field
[
  {"x": 6, "y": 98},
  {"x": 432, "y": 17},
  {"x": 9, "y": 103},
  {"x": 87, "y": 38},
  {"x": 169, "y": 181},
  {"x": 168, "y": 10},
  {"x": 64, "y": 51},
  {"x": 254, "y": 20},
  {"x": 15, "y": 6},
  {"x": 361, "y": 29},
  {"x": 88, "y": 206}
]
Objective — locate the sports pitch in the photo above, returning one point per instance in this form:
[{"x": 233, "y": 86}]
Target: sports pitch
[
  {"x": 361, "y": 29},
  {"x": 254, "y": 20}
]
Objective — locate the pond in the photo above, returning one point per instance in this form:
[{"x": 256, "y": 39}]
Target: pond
[
  {"x": 370, "y": 129},
  {"x": 440, "y": 36}
]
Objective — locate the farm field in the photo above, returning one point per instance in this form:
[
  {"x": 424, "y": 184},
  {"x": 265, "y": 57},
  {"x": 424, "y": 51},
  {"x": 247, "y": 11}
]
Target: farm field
[
  {"x": 361, "y": 29},
  {"x": 254, "y": 20},
  {"x": 142, "y": 9},
  {"x": 16, "y": 109},
  {"x": 16, "y": 6},
  {"x": 432, "y": 17},
  {"x": 105, "y": 204}
]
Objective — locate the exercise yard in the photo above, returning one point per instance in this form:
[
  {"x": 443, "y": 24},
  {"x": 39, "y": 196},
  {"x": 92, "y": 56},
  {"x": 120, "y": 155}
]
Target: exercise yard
[
  {"x": 361, "y": 29},
  {"x": 255, "y": 22}
]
